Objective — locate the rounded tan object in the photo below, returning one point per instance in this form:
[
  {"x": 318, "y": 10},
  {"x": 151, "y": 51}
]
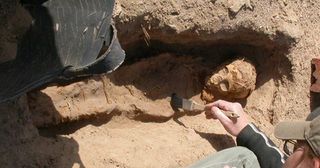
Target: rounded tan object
[{"x": 233, "y": 80}]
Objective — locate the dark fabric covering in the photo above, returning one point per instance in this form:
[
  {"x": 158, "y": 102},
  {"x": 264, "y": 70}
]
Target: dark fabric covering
[
  {"x": 265, "y": 150},
  {"x": 65, "y": 40}
]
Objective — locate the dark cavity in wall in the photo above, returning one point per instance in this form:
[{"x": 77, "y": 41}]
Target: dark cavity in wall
[{"x": 268, "y": 55}]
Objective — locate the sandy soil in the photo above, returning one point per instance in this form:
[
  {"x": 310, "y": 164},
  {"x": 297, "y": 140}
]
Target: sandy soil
[{"x": 124, "y": 119}]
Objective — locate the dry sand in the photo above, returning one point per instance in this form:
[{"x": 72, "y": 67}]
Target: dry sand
[{"x": 124, "y": 119}]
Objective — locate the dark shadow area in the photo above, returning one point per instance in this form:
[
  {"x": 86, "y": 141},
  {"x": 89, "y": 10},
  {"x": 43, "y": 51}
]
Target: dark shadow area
[
  {"x": 180, "y": 113},
  {"x": 314, "y": 97},
  {"x": 33, "y": 2},
  {"x": 45, "y": 116},
  {"x": 159, "y": 77},
  {"x": 148, "y": 118},
  {"x": 218, "y": 141},
  {"x": 21, "y": 145},
  {"x": 270, "y": 63},
  {"x": 268, "y": 55},
  {"x": 63, "y": 39},
  {"x": 42, "y": 109},
  {"x": 73, "y": 126},
  {"x": 37, "y": 60}
]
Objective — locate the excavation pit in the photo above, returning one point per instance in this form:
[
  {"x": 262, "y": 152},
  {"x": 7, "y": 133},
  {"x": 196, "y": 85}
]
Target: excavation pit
[
  {"x": 141, "y": 88},
  {"x": 128, "y": 112}
]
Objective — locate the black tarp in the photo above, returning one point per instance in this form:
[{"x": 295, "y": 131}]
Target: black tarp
[{"x": 67, "y": 39}]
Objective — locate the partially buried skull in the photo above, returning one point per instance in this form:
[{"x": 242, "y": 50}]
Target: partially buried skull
[{"x": 235, "y": 80}]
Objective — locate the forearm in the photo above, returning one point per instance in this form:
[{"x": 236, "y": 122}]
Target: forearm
[{"x": 268, "y": 155}]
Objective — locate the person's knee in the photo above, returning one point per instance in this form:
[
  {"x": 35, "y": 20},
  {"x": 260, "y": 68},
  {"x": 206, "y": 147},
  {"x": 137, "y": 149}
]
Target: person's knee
[
  {"x": 243, "y": 150},
  {"x": 235, "y": 157}
]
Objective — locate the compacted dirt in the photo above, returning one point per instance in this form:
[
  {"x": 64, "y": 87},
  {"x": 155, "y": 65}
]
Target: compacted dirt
[{"x": 124, "y": 119}]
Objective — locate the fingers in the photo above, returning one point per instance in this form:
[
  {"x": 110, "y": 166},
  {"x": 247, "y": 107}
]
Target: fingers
[
  {"x": 215, "y": 113},
  {"x": 232, "y": 125},
  {"x": 208, "y": 112},
  {"x": 218, "y": 114},
  {"x": 228, "y": 108},
  {"x": 222, "y": 104}
]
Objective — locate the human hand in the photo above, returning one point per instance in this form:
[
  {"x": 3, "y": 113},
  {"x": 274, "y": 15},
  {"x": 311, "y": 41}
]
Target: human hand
[{"x": 233, "y": 125}]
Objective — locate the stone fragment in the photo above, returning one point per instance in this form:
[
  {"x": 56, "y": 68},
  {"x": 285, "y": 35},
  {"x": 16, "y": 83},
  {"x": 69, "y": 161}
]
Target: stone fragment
[
  {"x": 236, "y": 5},
  {"x": 291, "y": 31}
]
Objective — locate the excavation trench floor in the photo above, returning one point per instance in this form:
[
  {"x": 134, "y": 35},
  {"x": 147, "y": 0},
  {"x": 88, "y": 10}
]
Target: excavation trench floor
[
  {"x": 125, "y": 119},
  {"x": 126, "y": 143}
]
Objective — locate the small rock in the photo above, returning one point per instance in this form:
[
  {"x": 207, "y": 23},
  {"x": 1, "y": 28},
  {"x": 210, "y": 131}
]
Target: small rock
[
  {"x": 235, "y": 5},
  {"x": 291, "y": 30}
]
